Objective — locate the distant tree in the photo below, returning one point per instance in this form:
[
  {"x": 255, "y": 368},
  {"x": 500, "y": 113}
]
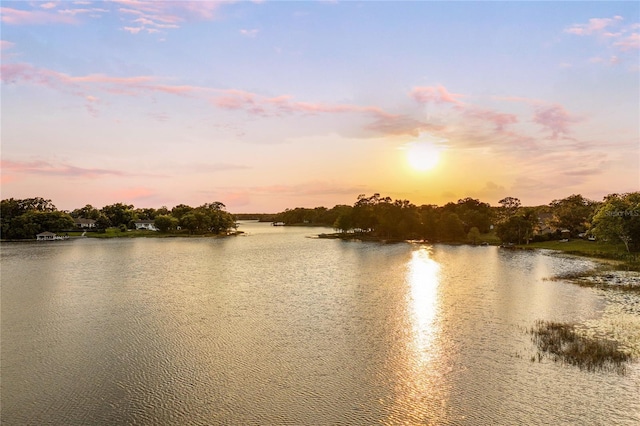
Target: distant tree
[
  {"x": 573, "y": 213},
  {"x": 618, "y": 220},
  {"x": 473, "y": 235},
  {"x": 162, "y": 210},
  {"x": 145, "y": 213},
  {"x": 165, "y": 223},
  {"x": 344, "y": 222},
  {"x": 86, "y": 212},
  {"x": 508, "y": 207},
  {"x": 217, "y": 219},
  {"x": 518, "y": 228},
  {"x": 452, "y": 228},
  {"x": 209, "y": 217},
  {"x": 189, "y": 222},
  {"x": 37, "y": 204},
  {"x": 102, "y": 223},
  {"x": 23, "y": 219},
  {"x": 363, "y": 212},
  {"x": 429, "y": 222},
  {"x": 180, "y": 210},
  {"x": 119, "y": 214}
]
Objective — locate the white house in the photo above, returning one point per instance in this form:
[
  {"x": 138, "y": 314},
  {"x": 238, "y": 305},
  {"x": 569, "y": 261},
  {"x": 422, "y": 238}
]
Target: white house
[
  {"x": 145, "y": 224},
  {"x": 85, "y": 223}
]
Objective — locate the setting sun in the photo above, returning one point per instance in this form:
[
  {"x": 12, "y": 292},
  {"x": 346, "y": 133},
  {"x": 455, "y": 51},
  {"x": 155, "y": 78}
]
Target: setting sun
[{"x": 422, "y": 156}]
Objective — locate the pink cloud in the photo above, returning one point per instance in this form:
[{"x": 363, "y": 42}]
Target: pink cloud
[
  {"x": 554, "y": 118},
  {"x": 91, "y": 105},
  {"x": 155, "y": 15},
  {"x": 201, "y": 9},
  {"x": 74, "y": 12},
  {"x": 48, "y": 169},
  {"x": 150, "y": 16},
  {"x": 595, "y": 25},
  {"x": 400, "y": 125},
  {"x": 230, "y": 99},
  {"x": 33, "y": 17},
  {"x": 5, "y": 179},
  {"x": 631, "y": 42},
  {"x": 6, "y": 45},
  {"x": 519, "y": 99},
  {"x": 26, "y": 73},
  {"x": 499, "y": 119},
  {"x": 259, "y": 105},
  {"x": 435, "y": 94}
]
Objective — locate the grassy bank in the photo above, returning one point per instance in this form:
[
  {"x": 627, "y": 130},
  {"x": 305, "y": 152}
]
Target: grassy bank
[
  {"x": 595, "y": 249},
  {"x": 117, "y": 233}
]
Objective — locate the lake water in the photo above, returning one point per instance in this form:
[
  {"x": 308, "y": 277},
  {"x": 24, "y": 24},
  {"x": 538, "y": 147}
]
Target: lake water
[{"x": 278, "y": 328}]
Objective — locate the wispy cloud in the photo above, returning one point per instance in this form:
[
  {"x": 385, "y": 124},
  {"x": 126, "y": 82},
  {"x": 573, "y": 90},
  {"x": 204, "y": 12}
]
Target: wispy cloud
[
  {"x": 594, "y": 26},
  {"x": 155, "y": 16},
  {"x": 48, "y": 169},
  {"x": 400, "y": 125},
  {"x": 249, "y": 33},
  {"x": 91, "y": 105},
  {"x": 630, "y": 42},
  {"x": 12, "y": 16},
  {"x": 92, "y": 12},
  {"x": 86, "y": 87},
  {"x": 6, "y": 45},
  {"x": 435, "y": 94},
  {"x": 253, "y": 103},
  {"x": 16, "y": 73},
  {"x": 140, "y": 16},
  {"x": 556, "y": 119},
  {"x": 499, "y": 119},
  {"x": 612, "y": 33}
]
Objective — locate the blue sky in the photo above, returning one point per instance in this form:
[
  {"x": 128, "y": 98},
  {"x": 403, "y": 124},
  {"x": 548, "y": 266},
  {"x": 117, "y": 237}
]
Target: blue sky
[{"x": 269, "y": 105}]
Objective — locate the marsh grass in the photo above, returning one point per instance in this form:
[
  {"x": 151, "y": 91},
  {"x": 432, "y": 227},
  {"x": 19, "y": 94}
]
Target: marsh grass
[
  {"x": 607, "y": 279},
  {"x": 561, "y": 343}
]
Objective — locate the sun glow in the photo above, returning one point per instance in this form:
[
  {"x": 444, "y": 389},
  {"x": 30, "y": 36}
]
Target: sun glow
[{"x": 422, "y": 156}]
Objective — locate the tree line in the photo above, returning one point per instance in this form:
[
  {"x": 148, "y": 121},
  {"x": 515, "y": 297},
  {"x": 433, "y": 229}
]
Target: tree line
[
  {"x": 25, "y": 218},
  {"x": 615, "y": 219}
]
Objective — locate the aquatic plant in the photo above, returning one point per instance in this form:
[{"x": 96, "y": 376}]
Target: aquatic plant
[{"x": 564, "y": 344}]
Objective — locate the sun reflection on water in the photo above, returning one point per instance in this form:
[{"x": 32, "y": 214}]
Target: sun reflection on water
[
  {"x": 423, "y": 282},
  {"x": 422, "y": 393}
]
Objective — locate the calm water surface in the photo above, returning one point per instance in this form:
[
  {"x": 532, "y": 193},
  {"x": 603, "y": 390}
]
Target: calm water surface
[{"x": 277, "y": 328}]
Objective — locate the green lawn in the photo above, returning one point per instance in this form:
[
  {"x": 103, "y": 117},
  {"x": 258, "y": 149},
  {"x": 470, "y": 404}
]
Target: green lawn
[
  {"x": 582, "y": 246},
  {"x": 597, "y": 249},
  {"x": 117, "y": 233},
  {"x": 490, "y": 238}
]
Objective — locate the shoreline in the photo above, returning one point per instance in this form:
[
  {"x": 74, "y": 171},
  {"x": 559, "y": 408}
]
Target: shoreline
[{"x": 147, "y": 234}]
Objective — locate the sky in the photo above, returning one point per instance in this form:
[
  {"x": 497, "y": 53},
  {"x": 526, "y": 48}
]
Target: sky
[{"x": 265, "y": 106}]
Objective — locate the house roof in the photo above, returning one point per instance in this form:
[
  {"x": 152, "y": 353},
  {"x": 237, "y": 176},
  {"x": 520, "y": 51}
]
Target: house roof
[
  {"x": 84, "y": 221},
  {"x": 145, "y": 221}
]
